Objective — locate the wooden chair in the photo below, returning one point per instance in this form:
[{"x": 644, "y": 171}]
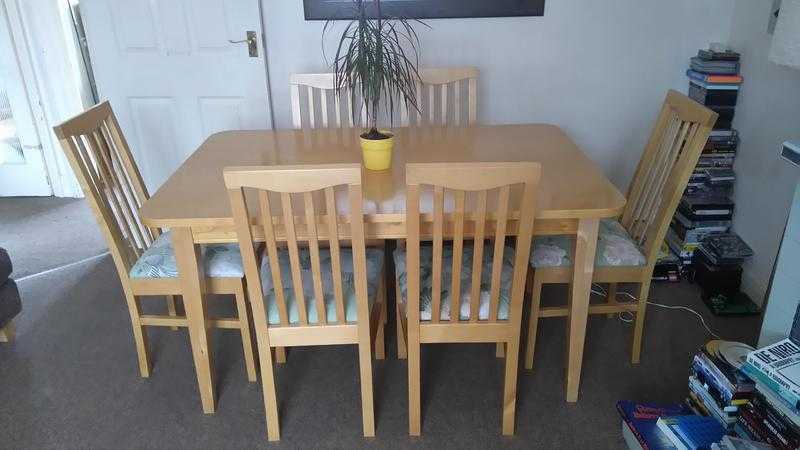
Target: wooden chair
[
  {"x": 433, "y": 98},
  {"x": 627, "y": 250},
  {"x": 490, "y": 308},
  {"x": 322, "y": 307},
  {"x": 101, "y": 159},
  {"x": 330, "y": 111}
]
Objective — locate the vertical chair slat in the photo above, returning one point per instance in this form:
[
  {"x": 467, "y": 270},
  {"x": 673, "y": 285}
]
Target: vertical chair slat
[
  {"x": 313, "y": 248},
  {"x": 106, "y": 189},
  {"x": 324, "y": 107},
  {"x": 272, "y": 254},
  {"x": 127, "y": 158},
  {"x": 660, "y": 169},
  {"x": 431, "y": 104},
  {"x": 337, "y": 104},
  {"x": 686, "y": 136},
  {"x": 351, "y": 113},
  {"x": 336, "y": 262},
  {"x": 444, "y": 104},
  {"x": 499, "y": 248},
  {"x": 125, "y": 182},
  {"x": 297, "y": 117},
  {"x": 473, "y": 101},
  {"x": 458, "y": 254},
  {"x": 637, "y": 202},
  {"x": 457, "y": 102},
  {"x": 477, "y": 257},
  {"x": 114, "y": 186},
  {"x": 418, "y": 113},
  {"x": 438, "y": 223},
  {"x": 311, "y": 112},
  {"x": 294, "y": 257}
]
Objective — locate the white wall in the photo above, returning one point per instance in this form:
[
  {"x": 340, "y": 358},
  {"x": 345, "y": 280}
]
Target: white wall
[
  {"x": 768, "y": 113},
  {"x": 599, "y": 69}
]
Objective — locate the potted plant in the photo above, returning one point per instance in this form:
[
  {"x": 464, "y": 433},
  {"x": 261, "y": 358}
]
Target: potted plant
[{"x": 377, "y": 57}]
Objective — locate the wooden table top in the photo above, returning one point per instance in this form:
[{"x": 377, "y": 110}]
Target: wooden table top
[{"x": 572, "y": 186}]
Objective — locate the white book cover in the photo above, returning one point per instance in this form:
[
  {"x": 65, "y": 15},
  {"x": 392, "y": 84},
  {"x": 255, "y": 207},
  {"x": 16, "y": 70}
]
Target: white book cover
[{"x": 781, "y": 362}]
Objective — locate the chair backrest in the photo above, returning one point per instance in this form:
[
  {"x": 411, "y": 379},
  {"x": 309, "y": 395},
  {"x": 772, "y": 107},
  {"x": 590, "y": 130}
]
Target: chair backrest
[
  {"x": 672, "y": 152},
  {"x": 323, "y": 107},
  {"x": 310, "y": 183},
  {"x": 433, "y": 98},
  {"x": 478, "y": 180},
  {"x": 101, "y": 159}
]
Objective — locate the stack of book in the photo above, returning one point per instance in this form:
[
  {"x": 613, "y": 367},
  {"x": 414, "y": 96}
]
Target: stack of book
[
  {"x": 717, "y": 268},
  {"x": 698, "y": 216},
  {"x": 716, "y": 386},
  {"x": 706, "y": 208},
  {"x": 773, "y": 416},
  {"x": 639, "y": 423}
]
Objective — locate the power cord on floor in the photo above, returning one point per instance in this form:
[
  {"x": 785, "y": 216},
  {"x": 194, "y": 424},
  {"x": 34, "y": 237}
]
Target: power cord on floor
[{"x": 628, "y": 317}]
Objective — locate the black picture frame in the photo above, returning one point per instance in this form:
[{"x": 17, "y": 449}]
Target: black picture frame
[{"x": 427, "y": 9}]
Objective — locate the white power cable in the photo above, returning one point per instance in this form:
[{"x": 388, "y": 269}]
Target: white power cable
[{"x": 597, "y": 289}]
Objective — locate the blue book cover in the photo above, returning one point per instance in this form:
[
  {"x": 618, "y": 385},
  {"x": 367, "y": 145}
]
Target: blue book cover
[
  {"x": 642, "y": 418},
  {"x": 693, "y": 432}
]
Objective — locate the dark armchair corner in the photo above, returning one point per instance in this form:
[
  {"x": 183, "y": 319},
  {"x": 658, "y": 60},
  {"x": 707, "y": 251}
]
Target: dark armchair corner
[{"x": 10, "y": 304}]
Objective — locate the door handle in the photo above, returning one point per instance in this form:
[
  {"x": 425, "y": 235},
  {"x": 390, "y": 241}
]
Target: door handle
[{"x": 252, "y": 43}]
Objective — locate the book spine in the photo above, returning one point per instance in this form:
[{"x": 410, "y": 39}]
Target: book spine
[
  {"x": 773, "y": 370},
  {"x": 776, "y": 418},
  {"x": 633, "y": 429},
  {"x": 756, "y": 429},
  {"x": 762, "y": 378},
  {"x": 780, "y": 439}
]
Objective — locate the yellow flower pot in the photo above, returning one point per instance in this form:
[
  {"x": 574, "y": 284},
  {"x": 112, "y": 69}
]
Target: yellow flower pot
[{"x": 378, "y": 153}]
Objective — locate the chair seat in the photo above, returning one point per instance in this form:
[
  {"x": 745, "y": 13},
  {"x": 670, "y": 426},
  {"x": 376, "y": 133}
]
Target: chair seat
[
  {"x": 374, "y": 273},
  {"x": 615, "y": 248},
  {"x": 158, "y": 261},
  {"x": 426, "y": 281}
]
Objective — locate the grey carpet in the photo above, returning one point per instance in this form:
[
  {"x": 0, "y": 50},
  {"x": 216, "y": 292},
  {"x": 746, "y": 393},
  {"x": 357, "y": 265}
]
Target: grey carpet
[
  {"x": 45, "y": 232},
  {"x": 70, "y": 381}
]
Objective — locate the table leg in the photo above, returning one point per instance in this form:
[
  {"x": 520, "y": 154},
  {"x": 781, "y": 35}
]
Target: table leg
[
  {"x": 187, "y": 256},
  {"x": 580, "y": 290}
]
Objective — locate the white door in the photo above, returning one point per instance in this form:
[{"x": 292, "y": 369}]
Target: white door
[
  {"x": 172, "y": 75},
  {"x": 22, "y": 168}
]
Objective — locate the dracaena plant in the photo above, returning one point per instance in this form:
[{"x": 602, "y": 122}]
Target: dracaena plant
[{"x": 377, "y": 57}]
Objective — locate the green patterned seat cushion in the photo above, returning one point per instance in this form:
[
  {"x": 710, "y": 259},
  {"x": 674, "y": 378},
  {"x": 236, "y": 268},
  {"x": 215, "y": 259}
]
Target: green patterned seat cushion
[
  {"x": 158, "y": 261},
  {"x": 374, "y": 272},
  {"x": 615, "y": 248},
  {"x": 426, "y": 281}
]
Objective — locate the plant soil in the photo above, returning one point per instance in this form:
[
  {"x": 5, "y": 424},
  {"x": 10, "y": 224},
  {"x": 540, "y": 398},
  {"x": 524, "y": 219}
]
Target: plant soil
[{"x": 375, "y": 135}]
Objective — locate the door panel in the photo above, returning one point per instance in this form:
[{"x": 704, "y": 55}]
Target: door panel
[
  {"x": 22, "y": 168},
  {"x": 173, "y": 77}
]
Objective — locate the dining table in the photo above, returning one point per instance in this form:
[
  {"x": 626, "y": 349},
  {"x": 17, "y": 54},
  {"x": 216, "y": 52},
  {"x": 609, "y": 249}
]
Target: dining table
[{"x": 573, "y": 196}]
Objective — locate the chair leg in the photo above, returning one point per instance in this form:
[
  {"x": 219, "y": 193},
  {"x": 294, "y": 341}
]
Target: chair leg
[
  {"x": 380, "y": 337},
  {"x": 247, "y": 338},
  {"x": 171, "y": 309},
  {"x": 139, "y": 335},
  {"x": 500, "y": 350},
  {"x": 414, "y": 393},
  {"x": 533, "y": 322},
  {"x": 401, "y": 337},
  {"x": 367, "y": 403},
  {"x": 510, "y": 388},
  {"x": 280, "y": 355},
  {"x": 612, "y": 296},
  {"x": 7, "y": 332},
  {"x": 644, "y": 292},
  {"x": 268, "y": 389}
]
